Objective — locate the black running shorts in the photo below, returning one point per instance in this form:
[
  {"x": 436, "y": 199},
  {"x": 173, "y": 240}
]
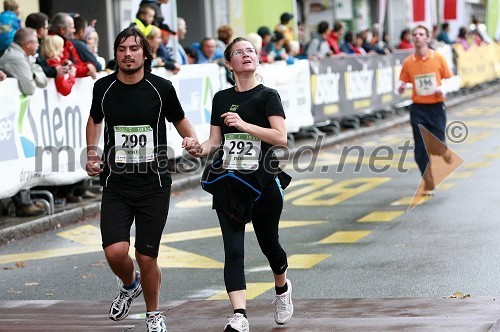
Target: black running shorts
[{"x": 148, "y": 207}]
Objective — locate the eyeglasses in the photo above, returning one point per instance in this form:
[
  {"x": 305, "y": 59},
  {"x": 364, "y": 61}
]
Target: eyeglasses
[{"x": 240, "y": 51}]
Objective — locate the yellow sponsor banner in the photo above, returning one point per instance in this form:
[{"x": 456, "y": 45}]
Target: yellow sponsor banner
[{"x": 477, "y": 65}]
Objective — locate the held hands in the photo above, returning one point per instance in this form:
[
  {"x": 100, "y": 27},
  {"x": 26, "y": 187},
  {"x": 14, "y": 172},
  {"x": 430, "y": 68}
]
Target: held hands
[
  {"x": 192, "y": 146},
  {"x": 93, "y": 165},
  {"x": 232, "y": 119}
]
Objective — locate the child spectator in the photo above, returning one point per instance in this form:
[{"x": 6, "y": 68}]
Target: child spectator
[
  {"x": 9, "y": 23},
  {"x": 52, "y": 50},
  {"x": 144, "y": 19}
]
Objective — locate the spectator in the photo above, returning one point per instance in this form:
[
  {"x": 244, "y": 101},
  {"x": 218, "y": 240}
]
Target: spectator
[
  {"x": 180, "y": 56},
  {"x": 284, "y": 27},
  {"x": 207, "y": 51},
  {"x": 443, "y": 34},
  {"x": 377, "y": 45},
  {"x": 224, "y": 37},
  {"x": 256, "y": 41},
  {"x": 165, "y": 59},
  {"x": 64, "y": 26},
  {"x": 192, "y": 55},
  {"x": 156, "y": 5},
  {"x": 144, "y": 19},
  {"x": 9, "y": 23},
  {"x": 52, "y": 50},
  {"x": 405, "y": 40},
  {"x": 480, "y": 29},
  {"x": 80, "y": 43},
  {"x": 276, "y": 49},
  {"x": 349, "y": 42},
  {"x": 92, "y": 41},
  {"x": 462, "y": 38},
  {"x": 18, "y": 61},
  {"x": 358, "y": 46},
  {"x": 266, "y": 36},
  {"x": 334, "y": 38},
  {"x": 40, "y": 22},
  {"x": 165, "y": 51},
  {"x": 367, "y": 46},
  {"x": 318, "y": 47},
  {"x": 293, "y": 48}
]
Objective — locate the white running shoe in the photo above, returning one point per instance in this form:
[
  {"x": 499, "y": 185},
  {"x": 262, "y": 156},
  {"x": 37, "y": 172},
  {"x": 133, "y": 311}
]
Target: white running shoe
[
  {"x": 284, "y": 306},
  {"x": 156, "y": 323},
  {"x": 120, "y": 307},
  {"x": 237, "y": 323}
]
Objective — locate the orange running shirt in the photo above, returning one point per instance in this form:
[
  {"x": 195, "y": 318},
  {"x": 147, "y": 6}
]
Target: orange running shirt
[{"x": 425, "y": 73}]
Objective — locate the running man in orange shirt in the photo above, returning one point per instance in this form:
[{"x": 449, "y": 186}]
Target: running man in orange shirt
[{"x": 425, "y": 69}]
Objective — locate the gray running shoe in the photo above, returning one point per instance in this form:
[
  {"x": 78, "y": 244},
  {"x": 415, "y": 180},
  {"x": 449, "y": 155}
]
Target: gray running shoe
[
  {"x": 120, "y": 307},
  {"x": 156, "y": 323}
]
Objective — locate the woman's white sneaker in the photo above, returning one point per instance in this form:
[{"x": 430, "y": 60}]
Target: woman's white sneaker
[
  {"x": 237, "y": 323},
  {"x": 283, "y": 306}
]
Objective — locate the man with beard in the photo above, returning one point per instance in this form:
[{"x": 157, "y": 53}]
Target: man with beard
[{"x": 136, "y": 182}]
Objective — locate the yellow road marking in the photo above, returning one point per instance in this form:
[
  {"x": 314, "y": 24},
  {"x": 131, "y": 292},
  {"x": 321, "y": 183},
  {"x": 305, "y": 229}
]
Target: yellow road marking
[
  {"x": 215, "y": 231},
  {"x": 408, "y": 199},
  {"x": 174, "y": 258},
  {"x": 381, "y": 216},
  {"x": 253, "y": 290},
  {"x": 446, "y": 186},
  {"x": 50, "y": 253},
  {"x": 461, "y": 175},
  {"x": 339, "y": 192},
  {"x": 477, "y": 164},
  {"x": 305, "y": 261},
  {"x": 89, "y": 239},
  {"x": 345, "y": 237},
  {"x": 492, "y": 156},
  {"x": 85, "y": 234},
  {"x": 478, "y": 137}
]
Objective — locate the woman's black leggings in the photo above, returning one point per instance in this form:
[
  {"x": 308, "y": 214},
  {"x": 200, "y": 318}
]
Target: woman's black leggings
[{"x": 266, "y": 214}]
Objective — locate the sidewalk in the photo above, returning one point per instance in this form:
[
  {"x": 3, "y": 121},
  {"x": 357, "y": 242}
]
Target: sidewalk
[
  {"x": 421, "y": 314},
  {"x": 14, "y": 228}
]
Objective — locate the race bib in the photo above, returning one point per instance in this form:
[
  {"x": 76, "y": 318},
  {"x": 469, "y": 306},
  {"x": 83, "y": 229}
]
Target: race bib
[
  {"x": 425, "y": 84},
  {"x": 241, "y": 152},
  {"x": 134, "y": 144}
]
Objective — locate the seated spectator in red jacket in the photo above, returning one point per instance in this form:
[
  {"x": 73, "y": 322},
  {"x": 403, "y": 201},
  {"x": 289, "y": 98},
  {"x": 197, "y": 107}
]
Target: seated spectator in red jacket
[
  {"x": 64, "y": 26},
  {"x": 405, "y": 40},
  {"x": 52, "y": 50}
]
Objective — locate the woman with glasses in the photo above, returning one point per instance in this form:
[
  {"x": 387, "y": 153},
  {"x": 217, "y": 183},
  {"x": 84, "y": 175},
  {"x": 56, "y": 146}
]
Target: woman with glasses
[{"x": 247, "y": 121}]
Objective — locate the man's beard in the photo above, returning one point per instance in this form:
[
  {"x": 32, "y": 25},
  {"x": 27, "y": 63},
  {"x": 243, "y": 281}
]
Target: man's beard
[{"x": 130, "y": 71}]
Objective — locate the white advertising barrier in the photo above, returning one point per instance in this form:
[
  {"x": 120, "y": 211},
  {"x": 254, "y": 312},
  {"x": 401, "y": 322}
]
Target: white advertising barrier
[
  {"x": 293, "y": 83},
  {"x": 42, "y": 136}
]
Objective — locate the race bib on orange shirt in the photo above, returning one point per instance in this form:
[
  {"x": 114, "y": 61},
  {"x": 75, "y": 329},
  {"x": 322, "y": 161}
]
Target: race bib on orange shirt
[{"x": 425, "y": 84}]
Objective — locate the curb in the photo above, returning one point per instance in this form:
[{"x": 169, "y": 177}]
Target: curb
[{"x": 75, "y": 215}]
